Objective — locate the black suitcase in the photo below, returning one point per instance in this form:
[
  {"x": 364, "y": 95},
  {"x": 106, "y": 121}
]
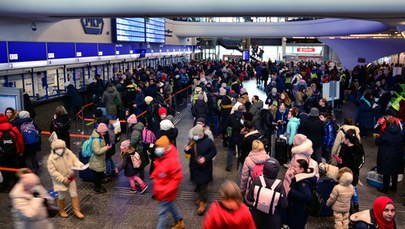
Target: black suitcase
[
  {"x": 325, "y": 187},
  {"x": 87, "y": 174},
  {"x": 281, "y": 151}
]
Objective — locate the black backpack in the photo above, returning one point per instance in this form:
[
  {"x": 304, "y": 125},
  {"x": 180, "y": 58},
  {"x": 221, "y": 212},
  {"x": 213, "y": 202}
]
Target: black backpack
[{"x": 8, "y": 146}]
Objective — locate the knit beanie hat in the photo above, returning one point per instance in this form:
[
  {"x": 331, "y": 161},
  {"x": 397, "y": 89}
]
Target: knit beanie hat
[
  {"x": 170, "y": 118},
  {"x": 242, "y": 90},
  {"x": 162, "y": 110},
  {"x": 24, "y": 114},
  {"x": 222, "y": 91},
  {"x": 223, "y": 85},
  {"x": 58, "y": 144},
  {"x": 274, "y": 90},
  {"x": 132, "y": 119},
  {"x": 29, "y": 180},
  {"x": 197, "y": 130},
  {"x": 125, "y": 144},
  {"x": 148, "y": 99},
  {"x": 166, "y": 125},
  {"x": 162, "y": 142},
  {"x": 314, "y": 112},
  {"x": 102, "y": 128}
]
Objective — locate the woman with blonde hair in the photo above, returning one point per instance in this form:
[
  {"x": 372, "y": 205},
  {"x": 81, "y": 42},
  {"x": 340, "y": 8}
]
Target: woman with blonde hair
[
  {"x": 284, "y": 98},
  {"x": 61, "y": 125},
  {"x": 257, "y": 156}
]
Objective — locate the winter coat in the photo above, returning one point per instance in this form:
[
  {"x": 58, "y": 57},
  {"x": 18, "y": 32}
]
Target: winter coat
[
  {"x": 111, "y": 99},
  {"x": 200, "y": 109},
  {"x": 292, "y": 129},
  {"x": 263, "y": 220},
  {"x": 342, "y": 194},
  {"x": 99, "y": 148},
  {"x": 271, "y": 98},
  {"x": 255, "y": 109},
  {"x": 202, "y": 174},
  {"x": 152, "y": 117},
  {"x": 312, "y": 101},
  {"x": 265, "y": 123},
  {"x": 234, "y": 121},
  {"x": 6, "y": 126},
  {"x": 246, "y": 145},
  {"x": 365, "y": 115},
  {"x": 339, "y": 137},
  {"x": 140, "y": 103},
  {"x": 225, "y": 106},
  {"x": 127, "y": 165},
  {"x": 299, "y": 98},
  {"x": 219, "y": 217},
  {"x": 313, "y": 129},
  {"x": 283, "y": 125},
  {"x": 353, "y": 158},
  {"x": 365, "y": 220},
  {"x": 73, "y": 98},
  {"x": 136, "y": 136},
  {"x": 254, "y": 158},
  {"x": 329, "y": 135},
  {"x": 29, "y": 211},
  {"x": 167, "y": 175},
  {"x": 298, "y": 199},
  {"x": 59, "y": 168},
  {"x": 61, "y": 125},
  {"x": 390, "y": 157}
]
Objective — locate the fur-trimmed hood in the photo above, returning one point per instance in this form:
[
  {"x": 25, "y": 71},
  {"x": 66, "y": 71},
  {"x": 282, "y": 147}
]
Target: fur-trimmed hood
[
  {"x": 58, "y": 144},
  {"x": 305, "y": 147},
  {"x": 346, "y": 179}
]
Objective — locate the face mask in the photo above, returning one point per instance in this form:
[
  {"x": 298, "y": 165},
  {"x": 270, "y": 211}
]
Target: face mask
[
  {"x": 59, "y": 152},
  {"x": 241, "y": 121},
  {"x": 159, "y": 151},
  {"x": 196, "y": 137}
]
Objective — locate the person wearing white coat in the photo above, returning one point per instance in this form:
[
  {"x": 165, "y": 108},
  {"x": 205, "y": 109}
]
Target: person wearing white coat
[{"x": 60, "y": 163}]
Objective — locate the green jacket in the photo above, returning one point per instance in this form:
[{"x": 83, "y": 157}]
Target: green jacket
[
  {"x": 97, "y": 161},
  {"x": 136, "y": 136}
]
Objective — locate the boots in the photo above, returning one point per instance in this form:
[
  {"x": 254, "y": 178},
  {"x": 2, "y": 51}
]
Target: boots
[
  {"x": 179, "y": 225},
  {"x": 76, "y": 207},
  {"x": 61, "y": 205},
  {"x": 201, "y": 208}
]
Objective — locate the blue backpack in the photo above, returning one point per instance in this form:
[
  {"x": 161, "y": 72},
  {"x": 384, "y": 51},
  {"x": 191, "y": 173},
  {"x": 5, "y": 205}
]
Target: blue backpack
[
  {"x": 30, "y": 133},
  {"x": 87, "y": 147}
]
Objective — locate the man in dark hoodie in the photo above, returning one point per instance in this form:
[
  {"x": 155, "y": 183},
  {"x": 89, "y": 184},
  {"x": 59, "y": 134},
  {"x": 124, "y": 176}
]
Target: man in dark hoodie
[
  {"x": 234, "y": 122},
  {"x": 313, "y": 129}
]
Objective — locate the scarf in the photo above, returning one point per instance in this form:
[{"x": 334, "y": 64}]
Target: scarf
[{"x": 378, "y": 208}]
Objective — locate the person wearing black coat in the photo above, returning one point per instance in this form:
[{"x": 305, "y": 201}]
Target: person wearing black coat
[
  {"x": 234, "y": 122},
  {"x": 249, "y": 137},
  {"x": 300, "y": 194},
  {"x": 390, "y": 155},
  {"x": 271, "y": 220},
  {"x": 61, "y": 125},
  {"x": 200, "y": 108},
  {"x": 312, "y": 127},
  {"x": 201, "y": 150}
]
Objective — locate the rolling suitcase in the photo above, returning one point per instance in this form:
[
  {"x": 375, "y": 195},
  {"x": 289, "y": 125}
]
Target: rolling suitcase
[
  {"x": 325, "y": 187},
  {"x": 281, "y": 151},
  {"x": 87, "y": 174}
]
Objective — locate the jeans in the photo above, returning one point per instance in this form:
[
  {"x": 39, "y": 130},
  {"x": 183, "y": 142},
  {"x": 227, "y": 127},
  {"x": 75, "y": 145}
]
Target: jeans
[
  {"x": 164, "y": 208},
  {"x": 110, "y": 166},
  {"x": 231, "y": 149},
  {"x": 355, "y": 197}
]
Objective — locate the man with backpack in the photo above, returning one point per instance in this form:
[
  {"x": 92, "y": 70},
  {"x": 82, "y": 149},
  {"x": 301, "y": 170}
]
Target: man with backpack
[
  {"x": 30, "y": 132},
  {"x": 11, "y": 146}
]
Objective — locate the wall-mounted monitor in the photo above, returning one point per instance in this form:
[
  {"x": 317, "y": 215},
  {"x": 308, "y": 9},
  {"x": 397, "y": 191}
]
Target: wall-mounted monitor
[{"x": 11, "y": 97}]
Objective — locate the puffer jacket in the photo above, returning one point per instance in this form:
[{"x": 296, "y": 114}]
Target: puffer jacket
[
  {"x": 342, "y": 194},
  {"x": 6, "y": 126},
  {"x": 329, "y": 135},
  {"x": 255, "y": 109},
  {"x": 136, "y": 136},
  {"x": 365, "y": 220},
  {"x": 292, "y": 128},
  {"x": 340, "y": 135},
  {"x": 28, "y": 211},
  {"x": 254, "y": 158},
  {"x": 59, "y": 168},
  {"x": 97, "y": 161},
  {"x": 111, "y": 99}
]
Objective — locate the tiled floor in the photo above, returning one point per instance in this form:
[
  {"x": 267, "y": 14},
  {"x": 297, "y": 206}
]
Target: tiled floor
[{"x": 119, "y": 209}]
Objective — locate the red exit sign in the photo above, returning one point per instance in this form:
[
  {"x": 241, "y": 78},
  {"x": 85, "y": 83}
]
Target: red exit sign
[{"x": 305, "y": 49}]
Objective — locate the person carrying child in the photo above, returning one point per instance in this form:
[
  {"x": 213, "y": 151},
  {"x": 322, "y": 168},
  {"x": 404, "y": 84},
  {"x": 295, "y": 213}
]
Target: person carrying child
[
  {"x": 131, "y": 161},
  {"x": 340, "y": 198}
]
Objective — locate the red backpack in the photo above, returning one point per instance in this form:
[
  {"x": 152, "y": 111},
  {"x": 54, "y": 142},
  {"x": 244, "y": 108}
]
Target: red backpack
[{"x": 257, "y": 171}]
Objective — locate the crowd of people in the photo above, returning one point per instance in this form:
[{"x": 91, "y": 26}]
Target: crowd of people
[{"x": 296, "y": 130}]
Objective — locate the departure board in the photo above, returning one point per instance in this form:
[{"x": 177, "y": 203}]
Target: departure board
[
  {"x": 128, "y": 29},
  {"x": 155, "y": 30}
]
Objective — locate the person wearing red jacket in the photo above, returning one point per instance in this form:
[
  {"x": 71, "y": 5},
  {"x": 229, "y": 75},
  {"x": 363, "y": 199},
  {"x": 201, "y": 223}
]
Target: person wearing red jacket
[
  {"x": 230, "y": 211},
  {"x": 167, "y": 177},
  {"x": 9, "y": 159}
]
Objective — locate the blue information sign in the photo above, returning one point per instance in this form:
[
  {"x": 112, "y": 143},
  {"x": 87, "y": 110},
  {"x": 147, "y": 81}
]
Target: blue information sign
[
  {"x": 86, "y": 49},
  {"x": 26, "y": 51},
  {"x": 123, "y": 49},
  {"x": 3, "y": 52},
  {"x": 59, "y": 50}
]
